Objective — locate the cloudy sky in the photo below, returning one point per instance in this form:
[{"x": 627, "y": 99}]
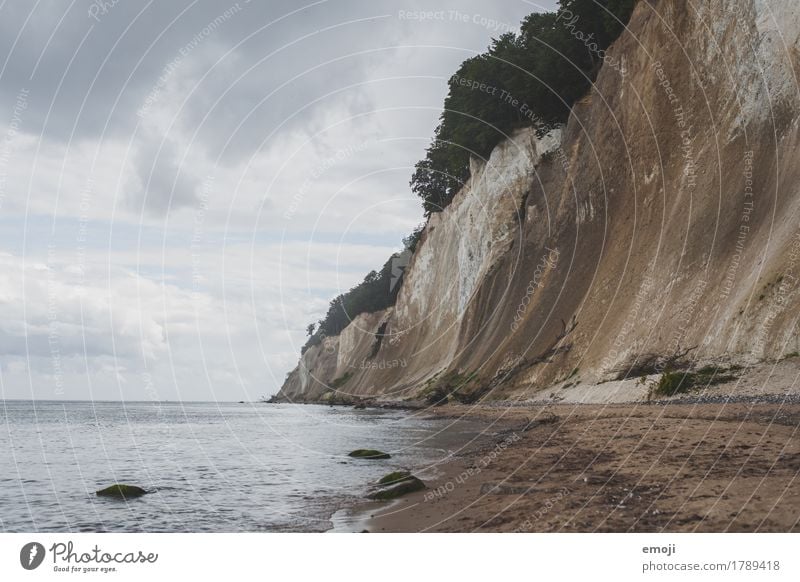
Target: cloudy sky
[{"x": 185, "y": 185}]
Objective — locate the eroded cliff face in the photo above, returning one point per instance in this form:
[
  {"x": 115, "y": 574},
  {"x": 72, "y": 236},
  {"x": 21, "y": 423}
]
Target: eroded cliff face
[{"x": 662, "y": 219}]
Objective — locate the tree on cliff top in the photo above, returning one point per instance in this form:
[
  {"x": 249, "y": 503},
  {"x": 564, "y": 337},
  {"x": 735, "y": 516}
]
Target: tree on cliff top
[
  {"x": 522, "y": 80},
  {"x": 530, "y": 79}
]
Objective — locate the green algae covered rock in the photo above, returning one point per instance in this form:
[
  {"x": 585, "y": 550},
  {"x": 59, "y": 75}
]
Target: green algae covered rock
[
  {"x": 369, "y": 454},
  {"x": 394, "y": 477},
  {"x": 404, "y": 486},
  {"x": 120, "y": 491}
]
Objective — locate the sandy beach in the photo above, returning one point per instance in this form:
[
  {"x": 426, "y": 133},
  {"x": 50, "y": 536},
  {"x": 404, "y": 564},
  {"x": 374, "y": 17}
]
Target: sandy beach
[{"x": 677, "y": 467}]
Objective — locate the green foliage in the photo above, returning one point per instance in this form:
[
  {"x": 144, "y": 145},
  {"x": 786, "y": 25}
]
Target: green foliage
[
  {"x": 526, "y": 79},
  {"x": 313, "y": 340},
  {"x": 608, "y": 17},
  {"x": 672, "y": 383},
  {"x": 681, "y": 382},
  {"x": 440, "y": 174},
  {"x": 372, "y": 294},
  {"x": 377, "y": 291},
  {"x": 410, "y": 242}
]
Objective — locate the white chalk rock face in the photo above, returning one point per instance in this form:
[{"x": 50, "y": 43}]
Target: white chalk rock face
[
  {"x": 462, "y": 242},
  {"x": 671, "y": 195},
  {"x": 458, "y": 248}
]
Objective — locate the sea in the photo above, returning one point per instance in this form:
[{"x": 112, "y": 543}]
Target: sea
[{"x": 207, "y": 467}]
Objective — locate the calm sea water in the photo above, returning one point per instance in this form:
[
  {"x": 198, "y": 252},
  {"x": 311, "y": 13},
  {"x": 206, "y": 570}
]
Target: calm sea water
[{"x": 211, "y": 466}]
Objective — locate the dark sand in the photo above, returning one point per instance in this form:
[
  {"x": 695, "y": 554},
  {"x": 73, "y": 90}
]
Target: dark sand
[{"x": 612, "y": 468}]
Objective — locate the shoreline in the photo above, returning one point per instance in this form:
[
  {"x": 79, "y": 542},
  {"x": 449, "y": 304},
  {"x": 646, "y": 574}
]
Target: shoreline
[
  {"x": 357, "y": 517},
  {"x": 680, "y": 466}
]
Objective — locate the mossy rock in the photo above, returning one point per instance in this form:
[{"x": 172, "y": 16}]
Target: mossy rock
[
  {"x": 119, "y": 491},
  {"x": 369, "y": 454},
  {"x": 404, "y": 487},
  {"x": 394, "y": 477}
]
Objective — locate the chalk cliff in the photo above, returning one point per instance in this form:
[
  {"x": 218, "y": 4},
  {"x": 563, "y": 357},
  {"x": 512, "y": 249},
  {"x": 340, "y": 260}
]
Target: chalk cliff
[{"x": 662, "y": 219}]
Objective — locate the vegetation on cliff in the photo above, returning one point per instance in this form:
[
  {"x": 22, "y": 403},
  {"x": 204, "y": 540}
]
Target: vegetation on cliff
[
  {"x": 526, "y": 79},
  {"x": 377, "y": 291}
]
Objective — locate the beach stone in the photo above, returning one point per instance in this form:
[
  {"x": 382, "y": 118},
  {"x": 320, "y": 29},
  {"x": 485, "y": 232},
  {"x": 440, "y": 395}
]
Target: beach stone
[
  {"x": 120, "y": 491},
  {"x": 510, "y": 488},
  {"x": 369, "y": 454},
  {"x": 394, "y": 477},
  {"x": 404, "y": 487}
]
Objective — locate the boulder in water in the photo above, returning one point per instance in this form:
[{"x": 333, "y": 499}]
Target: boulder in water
[
  {"x": 120, "y": 491},
  {"x": 369, "y": 454}
]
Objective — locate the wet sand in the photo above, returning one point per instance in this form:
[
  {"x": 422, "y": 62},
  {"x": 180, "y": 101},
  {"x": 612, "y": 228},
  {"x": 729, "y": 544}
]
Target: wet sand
[{"x": 706, "y": 467}]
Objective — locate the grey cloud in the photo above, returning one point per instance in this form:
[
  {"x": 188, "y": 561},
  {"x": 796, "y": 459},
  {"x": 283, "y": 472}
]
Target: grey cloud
[
  {"x": 110, "y": 64},
  {"x": 131, "y": 82},
  {"x": 162, "y": 182}
]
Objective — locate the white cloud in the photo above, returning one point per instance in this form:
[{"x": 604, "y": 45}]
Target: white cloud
[
  {"x": 223, "y": 322},
  {"x": 180, "y": 249}
]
